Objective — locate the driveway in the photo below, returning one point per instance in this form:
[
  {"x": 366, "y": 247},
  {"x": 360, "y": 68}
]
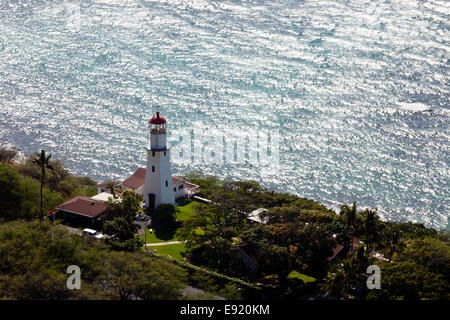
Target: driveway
[{"x": 72, "y": 230}]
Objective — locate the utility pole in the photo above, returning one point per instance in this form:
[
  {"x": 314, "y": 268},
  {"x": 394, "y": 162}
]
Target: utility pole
[{"x": 145, "y": 229}]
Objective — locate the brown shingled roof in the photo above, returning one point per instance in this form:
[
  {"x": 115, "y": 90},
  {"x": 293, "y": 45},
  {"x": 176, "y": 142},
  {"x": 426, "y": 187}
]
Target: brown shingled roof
[
  {"x": 138, "y": 179},
  {"x": 84, "y": 206}
]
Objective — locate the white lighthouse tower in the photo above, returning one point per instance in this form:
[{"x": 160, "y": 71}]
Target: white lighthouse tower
[{"x": 158, "y": 186}]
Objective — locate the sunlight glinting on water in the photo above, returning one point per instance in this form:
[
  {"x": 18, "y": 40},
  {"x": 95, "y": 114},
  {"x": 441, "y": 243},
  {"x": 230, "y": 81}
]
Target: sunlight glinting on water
[{"x": 358, "y": 91}]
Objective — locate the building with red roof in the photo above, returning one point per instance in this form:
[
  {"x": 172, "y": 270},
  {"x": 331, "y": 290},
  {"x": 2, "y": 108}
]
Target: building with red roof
[
  {"x": 83, "y": 211},
  {"x": 135, "y": 181}
]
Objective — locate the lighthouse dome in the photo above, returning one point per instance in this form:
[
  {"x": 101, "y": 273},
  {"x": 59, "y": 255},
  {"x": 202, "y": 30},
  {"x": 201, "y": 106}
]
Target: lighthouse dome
[{"x": 158, "y": 119}]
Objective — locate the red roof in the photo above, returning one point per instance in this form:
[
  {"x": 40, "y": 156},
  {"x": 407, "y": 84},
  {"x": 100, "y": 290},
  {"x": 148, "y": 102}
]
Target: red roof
[
  {"x": 157, "y": 119},
  {"x": 336, "y": 251},
  {"x": 138, "y": 179},
  {"x": 175, "y": 180},
  {"x": 84, "y": 206}
]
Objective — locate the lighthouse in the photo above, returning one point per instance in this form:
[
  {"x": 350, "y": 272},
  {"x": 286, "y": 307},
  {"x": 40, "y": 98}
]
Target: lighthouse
[{"x": 158, "y": 187}]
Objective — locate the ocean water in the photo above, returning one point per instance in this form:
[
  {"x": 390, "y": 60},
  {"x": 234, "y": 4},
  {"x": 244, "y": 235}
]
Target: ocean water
[{"x": 358, "y": 90}]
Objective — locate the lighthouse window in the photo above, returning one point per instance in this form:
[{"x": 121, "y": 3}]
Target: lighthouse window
[
  {"x": 175, "y": 189},
  {"x": 153, "y": 153},
  {"x": 164, "y": 153},
  {"x": 167, "y": 184},
  {"x": 153, "y": 168}
]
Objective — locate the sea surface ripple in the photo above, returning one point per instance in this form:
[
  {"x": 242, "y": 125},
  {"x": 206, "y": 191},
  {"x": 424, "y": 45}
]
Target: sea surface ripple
[{"x": 358, "y": 89}]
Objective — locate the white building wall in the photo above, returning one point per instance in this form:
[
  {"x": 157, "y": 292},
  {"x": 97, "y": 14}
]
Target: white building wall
[
  {"x": 158, "y": 140},
  {"x": 155, "y": 182},
  {"x": 179, "y": 193},
  {"x": 140, "y": 190}
]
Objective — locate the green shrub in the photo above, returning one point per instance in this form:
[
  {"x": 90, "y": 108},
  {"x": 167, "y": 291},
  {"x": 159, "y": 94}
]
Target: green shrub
[{"x": 11, "y": 189}]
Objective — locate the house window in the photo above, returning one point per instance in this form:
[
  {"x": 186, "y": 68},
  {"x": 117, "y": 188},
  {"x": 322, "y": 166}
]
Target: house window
[
  {"x": 153, "y": 168},
  {"x": 102, "y": 190},
  {"x": 175, "y": 189},
  {"x": 181, "y": 187},
  {"x": 153, "y": 153},
  {"x": 167, "y": 184},
  {"x": 164, "y": 153}
]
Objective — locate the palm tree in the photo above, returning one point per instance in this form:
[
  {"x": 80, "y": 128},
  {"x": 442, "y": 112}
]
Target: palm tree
[
  {"x": 340, "y": 282},
  {"x": 350, "y": 219},
  {"x": 370, "y": 225},
  {"x": 44, "y": 162},
  {"x": 111, "y": 186},
  {"x": 392, "y": 239}
]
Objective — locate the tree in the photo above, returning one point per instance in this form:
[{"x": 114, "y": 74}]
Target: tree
[
  {"x": 7, "y": 155},
  {"x": 57, "y": 174},
  {"x": 416, "y": 230},
  {"x": 430, "y": 253},
  {"x": 410, "y": 281},
  {"x": 371, "y": 226},
  {"x": 293, "y": 213},
  {"x": 208, "y": 184},
  {"x": 10, "y": 192},
  {"x": 218, "y": 221},
  {"x": 43, "y": 162},
  {"x": 391, "y": 239},
  {"x": 42, "y": 285},
  {"x": 20, "y": 196},
  {"x": 210, "y": 231},
  {"x": 340, "y": 282},
  {"x": 33, "y": 266},
  {"x": 299, "y": 244},
  {"x": 124, "y": 204},
  {"x": 120, "y": 227},
  {"x": 133, "y": 276},
  {"x": 164, "y": 221},
  {"x": 31, "y": 198},
  {"x": 122, "y": 210},
  {"x": 348, "y": 278},
  {"x": 59, "y": 179},
  {"x": 164, "y": 216},
  {"x": 112, "y": 187}
]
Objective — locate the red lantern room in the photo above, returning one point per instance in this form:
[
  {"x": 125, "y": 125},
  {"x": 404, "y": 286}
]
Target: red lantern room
[
  {"x": 157, "y": 123},
  {"x": 157, "y": 128}
]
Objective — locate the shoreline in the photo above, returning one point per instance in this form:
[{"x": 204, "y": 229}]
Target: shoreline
[{"x": 335, "y": 206}]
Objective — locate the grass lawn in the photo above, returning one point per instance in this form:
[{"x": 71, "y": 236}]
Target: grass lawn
[
  {"x": 186, "y": 211},
  {"x": 183, "y": 213},
  {"x": 152, "y": 238},
  {"x": 298, "y": 275},
  {"x": 172, "y": 250}
]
